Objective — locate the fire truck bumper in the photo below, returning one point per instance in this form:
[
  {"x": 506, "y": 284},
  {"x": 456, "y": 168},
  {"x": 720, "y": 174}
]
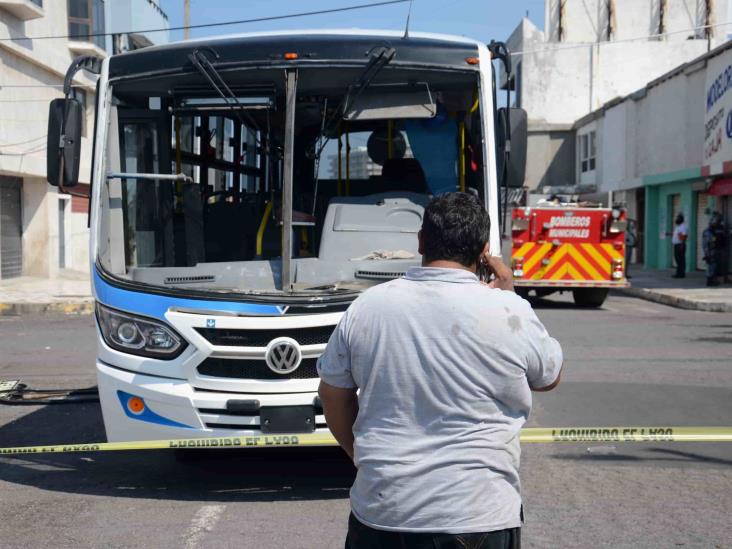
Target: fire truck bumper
[{"x": 571, "y": 283}]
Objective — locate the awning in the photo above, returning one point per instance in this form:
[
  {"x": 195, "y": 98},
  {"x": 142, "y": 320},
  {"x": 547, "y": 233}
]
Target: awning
[{"x": 721, "y": 187}]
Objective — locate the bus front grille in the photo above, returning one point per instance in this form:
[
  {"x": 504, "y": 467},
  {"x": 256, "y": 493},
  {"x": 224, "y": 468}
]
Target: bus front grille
[
  {"x": 254, "y": 369},
  {"x": 317, "y": 335}
]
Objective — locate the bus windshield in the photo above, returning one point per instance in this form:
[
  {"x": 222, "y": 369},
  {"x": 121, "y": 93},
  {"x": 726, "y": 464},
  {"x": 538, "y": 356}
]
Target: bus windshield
[{"x": 366, "y": 152}]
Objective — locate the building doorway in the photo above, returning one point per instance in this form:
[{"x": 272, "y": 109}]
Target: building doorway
[
  {"x": 702, "y": 220},
  {"x": 640, "y": 227},
  {"x": 11, "y": 228}
]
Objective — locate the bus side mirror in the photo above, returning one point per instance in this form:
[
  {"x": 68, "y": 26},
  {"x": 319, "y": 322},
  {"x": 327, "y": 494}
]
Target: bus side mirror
[
  {"x": 516, "y": 121},
  {"x": 63, "y": 149}
]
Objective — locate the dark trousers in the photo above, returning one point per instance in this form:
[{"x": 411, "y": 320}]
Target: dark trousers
[
  {"x": 361, "y": 536},
  {"x": 680, "y": 258}
]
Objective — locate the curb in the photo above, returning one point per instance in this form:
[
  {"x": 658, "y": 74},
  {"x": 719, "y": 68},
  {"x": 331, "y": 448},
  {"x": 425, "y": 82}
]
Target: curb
[
  {"x": 675, "y": 301},
  {"x": 64, "y": 307}
]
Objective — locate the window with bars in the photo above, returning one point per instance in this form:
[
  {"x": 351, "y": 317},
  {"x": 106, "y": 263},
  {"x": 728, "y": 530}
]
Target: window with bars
[
  {"x": 86, "y": 21},
  {"x": 586, "y": 143}
]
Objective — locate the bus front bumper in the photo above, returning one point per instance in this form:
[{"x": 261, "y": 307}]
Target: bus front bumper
[{"x": 143, "y": 407}]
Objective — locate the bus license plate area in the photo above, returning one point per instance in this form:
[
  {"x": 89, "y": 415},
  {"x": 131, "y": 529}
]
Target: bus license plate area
[{"x": 287, "y": 419}]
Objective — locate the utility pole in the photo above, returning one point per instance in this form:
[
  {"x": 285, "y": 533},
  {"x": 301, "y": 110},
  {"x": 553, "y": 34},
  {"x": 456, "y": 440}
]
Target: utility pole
[{"x": 186, "y": 19}]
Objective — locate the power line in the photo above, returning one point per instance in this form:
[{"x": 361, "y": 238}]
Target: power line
[
  {"x": 23, "y": 120},
  {"x": 23, "y": 142},
  {"x": 208, "y": 25},
  {"x": 624, "y": 40},
  {"x": 31, "y": 86},
  {"x": 24, "y": 153}
]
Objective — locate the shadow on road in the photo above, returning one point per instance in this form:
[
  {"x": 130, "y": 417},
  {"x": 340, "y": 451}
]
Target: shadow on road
[
  {"x": 660, "y": 455},
  {"x": 548, "y": 303},
  {"x": 204, "y": 475}
]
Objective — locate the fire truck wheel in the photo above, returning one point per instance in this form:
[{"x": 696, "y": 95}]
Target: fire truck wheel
[{"x": 589, "y": 297}]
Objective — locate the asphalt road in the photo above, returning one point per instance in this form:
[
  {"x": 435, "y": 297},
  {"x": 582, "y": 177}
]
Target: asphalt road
[{"x": 631, "y": 363}]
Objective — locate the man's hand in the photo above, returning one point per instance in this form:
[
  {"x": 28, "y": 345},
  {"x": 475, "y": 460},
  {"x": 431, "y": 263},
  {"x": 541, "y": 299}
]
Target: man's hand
[{"x": 503, "y": 274}]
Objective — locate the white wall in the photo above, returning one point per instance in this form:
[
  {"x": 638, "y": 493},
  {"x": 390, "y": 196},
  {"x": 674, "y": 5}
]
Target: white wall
[
  {"x": 560, "y": 87},
  {"x": 659, "y": 129},
  {"x": 565, "y": 81}
]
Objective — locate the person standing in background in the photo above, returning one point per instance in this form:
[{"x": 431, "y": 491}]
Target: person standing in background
[
  {"x": 680, "y": 234},
  {"x": 714, "y": 244}
]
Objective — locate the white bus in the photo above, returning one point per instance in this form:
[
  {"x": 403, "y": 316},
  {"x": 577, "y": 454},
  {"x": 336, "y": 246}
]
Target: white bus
[{"x": 245, "y": 190}]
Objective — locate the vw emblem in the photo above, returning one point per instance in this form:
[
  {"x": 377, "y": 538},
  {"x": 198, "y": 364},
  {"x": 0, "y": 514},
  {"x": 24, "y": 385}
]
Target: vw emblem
[{"x": 283, "y": 355}]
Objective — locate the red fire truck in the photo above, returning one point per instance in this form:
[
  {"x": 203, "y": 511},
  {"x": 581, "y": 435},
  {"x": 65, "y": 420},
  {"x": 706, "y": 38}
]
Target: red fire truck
[{"x": 568, "y": 246}]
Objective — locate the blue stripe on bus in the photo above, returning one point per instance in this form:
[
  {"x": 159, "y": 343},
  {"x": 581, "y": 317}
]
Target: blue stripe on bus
[
  {"x": 156, "y": 306},
  {"x": 146, "y": 414}
]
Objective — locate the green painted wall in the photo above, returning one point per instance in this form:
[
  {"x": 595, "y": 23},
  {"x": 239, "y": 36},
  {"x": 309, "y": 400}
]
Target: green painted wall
[{"x": 659, "y": 224}]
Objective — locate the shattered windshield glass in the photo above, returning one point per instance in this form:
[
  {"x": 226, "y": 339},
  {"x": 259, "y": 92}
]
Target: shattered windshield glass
[{"x": 364, "y": 166}]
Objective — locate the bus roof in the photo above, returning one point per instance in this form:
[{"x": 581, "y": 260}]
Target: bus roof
[{"x": 348, "y": 46}]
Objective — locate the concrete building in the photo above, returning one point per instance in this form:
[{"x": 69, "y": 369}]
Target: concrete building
[
  {"x": 667, "y": 148},
  {"x": 591, "y": 52},
  {"x": 43, "y": 232}
]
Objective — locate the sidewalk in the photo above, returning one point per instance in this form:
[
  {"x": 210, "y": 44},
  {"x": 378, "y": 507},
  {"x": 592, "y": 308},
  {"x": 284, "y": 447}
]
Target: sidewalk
[
  {"x": 70, "y": 293},
  {"x": 686, "y": 293}
]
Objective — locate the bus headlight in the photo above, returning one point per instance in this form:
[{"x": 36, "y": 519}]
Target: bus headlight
[{"x": 137, "y": 335}]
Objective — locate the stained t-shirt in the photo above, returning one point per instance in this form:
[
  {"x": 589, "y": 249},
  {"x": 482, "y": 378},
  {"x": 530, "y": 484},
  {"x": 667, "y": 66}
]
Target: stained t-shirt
[{"x": 444, "y": 367}]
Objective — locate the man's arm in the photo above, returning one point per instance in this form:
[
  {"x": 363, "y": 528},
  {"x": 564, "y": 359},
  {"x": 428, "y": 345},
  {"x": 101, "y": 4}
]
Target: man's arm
[
  {"x": 340, "y": 407},
  {"x": 548, "y": 387},
  {"x": 545, "y": 359}
]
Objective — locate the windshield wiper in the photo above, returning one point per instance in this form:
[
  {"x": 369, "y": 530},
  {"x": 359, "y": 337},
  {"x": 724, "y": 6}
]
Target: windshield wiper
[
  {"x": 377, "y": 62},
  {"x": 206, "y": 68}
]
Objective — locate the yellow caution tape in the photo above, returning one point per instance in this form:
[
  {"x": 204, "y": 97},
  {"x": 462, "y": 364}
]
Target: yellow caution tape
[{"x": 528, "y": 435}]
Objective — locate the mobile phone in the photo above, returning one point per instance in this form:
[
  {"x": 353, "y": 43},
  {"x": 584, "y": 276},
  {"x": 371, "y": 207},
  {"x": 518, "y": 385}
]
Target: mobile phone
[{"x": 483, "y": 272}]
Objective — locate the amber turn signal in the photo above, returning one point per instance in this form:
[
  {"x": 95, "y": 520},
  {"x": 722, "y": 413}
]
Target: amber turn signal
[{"x": 136, "y": 405}]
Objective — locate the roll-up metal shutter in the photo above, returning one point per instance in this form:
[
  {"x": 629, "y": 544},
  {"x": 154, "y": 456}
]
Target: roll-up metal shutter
[{"x": 11, "y": 241}]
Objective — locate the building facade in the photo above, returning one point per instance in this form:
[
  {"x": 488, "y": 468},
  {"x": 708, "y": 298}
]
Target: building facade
[
  {"x": 665, "y": 149},
  {"x": 591, "y": 52},
  {"x": 44, "y": 232}
]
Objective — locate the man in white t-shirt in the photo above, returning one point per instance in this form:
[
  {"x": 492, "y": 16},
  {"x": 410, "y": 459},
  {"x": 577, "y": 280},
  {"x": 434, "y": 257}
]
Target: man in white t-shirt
[
  {"x": 445, "y": 366},
  {"x": 681, "y": 233}
]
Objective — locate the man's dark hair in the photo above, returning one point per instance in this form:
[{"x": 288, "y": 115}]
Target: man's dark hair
[{"x": 455, "y": 227}]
